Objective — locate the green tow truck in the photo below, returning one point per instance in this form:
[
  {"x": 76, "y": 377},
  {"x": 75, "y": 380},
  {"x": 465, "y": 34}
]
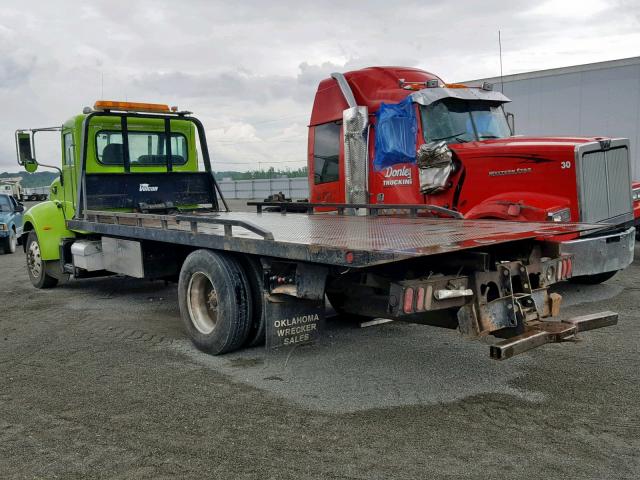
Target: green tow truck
[{"x": 137, "y": 196}]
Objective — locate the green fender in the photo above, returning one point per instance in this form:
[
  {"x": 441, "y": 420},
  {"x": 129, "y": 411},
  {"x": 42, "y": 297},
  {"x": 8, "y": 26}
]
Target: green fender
[{"x": 47, "y": 219}]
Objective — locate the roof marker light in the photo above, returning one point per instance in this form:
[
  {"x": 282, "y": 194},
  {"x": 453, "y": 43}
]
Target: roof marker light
[{"x": 132, "y": 106}]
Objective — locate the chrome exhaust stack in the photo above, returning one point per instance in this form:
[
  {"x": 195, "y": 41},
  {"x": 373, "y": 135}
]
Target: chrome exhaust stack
[
  {"x": 550, "y": 332},
  {"x": 355, "y": 121}
]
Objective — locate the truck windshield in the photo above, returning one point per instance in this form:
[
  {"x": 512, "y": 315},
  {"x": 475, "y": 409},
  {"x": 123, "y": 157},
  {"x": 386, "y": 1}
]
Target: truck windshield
[
  {"x": 5, "y": 204},
  {"x": 459, "y": 121},
  {"x": 145, "y": 148}
]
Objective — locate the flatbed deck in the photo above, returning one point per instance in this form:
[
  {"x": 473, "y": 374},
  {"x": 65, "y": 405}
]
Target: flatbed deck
[{"x": 353, "y": 241}]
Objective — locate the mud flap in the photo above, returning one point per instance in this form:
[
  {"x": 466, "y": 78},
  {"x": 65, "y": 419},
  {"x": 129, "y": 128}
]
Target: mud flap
[
  {"x": 292, "y": 321},
  {"x": 294, "y": 309}
]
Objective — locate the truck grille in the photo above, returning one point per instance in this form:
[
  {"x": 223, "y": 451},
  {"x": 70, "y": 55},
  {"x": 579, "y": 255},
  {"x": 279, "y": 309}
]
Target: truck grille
[{"x": 604, "y": 183}]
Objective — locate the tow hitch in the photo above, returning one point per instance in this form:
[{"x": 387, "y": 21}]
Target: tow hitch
[
  {"x": 550, "y": 332},
  {"x": 513, "y": 302}
]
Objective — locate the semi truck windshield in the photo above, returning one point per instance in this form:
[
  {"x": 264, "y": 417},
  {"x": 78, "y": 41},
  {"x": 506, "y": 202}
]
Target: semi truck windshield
[{"x": 459, "y": 121}]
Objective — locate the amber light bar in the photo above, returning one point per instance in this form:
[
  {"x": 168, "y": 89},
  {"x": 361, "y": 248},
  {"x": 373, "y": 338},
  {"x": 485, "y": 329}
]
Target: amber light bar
[{"x": 133, "y": 106}]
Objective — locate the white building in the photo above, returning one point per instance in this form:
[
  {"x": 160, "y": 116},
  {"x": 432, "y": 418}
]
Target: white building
[{"x": 597, "y": 99}]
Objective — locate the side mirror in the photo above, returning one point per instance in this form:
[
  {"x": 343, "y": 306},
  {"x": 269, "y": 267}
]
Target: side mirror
[
  {"x": 31, "y": 166},
  {"x": 511, "y": 121},
  {"x": 25, "y": 154},
  {"x": 19, "y": 208}
]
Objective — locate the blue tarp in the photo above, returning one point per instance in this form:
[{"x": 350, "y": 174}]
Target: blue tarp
[{"x": 395, "y": 134}]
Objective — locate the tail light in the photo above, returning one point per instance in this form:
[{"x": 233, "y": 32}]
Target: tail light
[
  {"x": 568, "y": 267},
  {"x": 565, "y": 269},
  {"x": 420, "y": 300},
  {"x": 407, "y": 304}
]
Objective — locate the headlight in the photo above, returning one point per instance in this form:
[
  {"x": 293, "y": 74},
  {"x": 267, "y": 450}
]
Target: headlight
[
  {"x": 563, "y": 215},
  {"x": 3, "y": 226},
  {"x": 636, "y": 194}
]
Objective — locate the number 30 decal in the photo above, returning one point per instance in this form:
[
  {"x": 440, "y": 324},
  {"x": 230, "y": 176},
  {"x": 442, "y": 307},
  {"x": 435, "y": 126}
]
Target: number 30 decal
[{"x": 565, "y": 165}]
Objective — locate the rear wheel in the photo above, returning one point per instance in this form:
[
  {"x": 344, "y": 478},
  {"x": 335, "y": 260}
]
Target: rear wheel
[
  {"x": 215, "y": 304},
  {"x": 593, "y": 279},
  {"x": 36, "y": 266}
]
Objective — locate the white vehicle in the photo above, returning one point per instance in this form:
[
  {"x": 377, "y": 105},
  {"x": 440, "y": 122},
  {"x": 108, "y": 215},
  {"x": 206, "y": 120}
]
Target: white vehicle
[
  {"x": 10, "y": 186},
  {"x": 35, "y": 193}
]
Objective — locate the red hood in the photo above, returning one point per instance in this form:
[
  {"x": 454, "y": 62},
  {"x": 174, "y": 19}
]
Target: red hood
[
  {"x": 524, "y": 143},
  {"x": 537, "y": 172}
]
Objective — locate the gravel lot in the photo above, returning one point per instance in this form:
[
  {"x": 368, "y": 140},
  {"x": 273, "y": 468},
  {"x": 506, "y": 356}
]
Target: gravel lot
[{"x": 97, "y": 380}]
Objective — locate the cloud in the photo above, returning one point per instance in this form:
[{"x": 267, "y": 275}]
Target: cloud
[{"x": 250, "y": 70}]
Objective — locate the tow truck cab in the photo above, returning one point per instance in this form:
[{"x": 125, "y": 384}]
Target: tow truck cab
[
  {"x": 423, "y": 141},
  {"x": 143, "y": 151}
]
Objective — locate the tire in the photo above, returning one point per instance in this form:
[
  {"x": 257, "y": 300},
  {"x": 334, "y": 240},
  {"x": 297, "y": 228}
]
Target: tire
[
  {"x": 253, "y": 270},
  {"x": 36, "y": 267},
  {"x": 593, "y": 279},
  {"x": 215, "y": 303}
]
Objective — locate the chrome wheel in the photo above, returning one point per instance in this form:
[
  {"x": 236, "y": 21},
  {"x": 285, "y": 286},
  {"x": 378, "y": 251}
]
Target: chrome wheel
[
  {"x": 202, "y": 303},
  {"x": 34, "y": 260}
]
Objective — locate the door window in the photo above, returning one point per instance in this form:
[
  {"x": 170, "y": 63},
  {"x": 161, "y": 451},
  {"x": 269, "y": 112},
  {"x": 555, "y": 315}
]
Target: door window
[
  {"x": 5, "y": 204},
  {"x": 69, "y": 153},
  {"x": 326, "y": 153}
]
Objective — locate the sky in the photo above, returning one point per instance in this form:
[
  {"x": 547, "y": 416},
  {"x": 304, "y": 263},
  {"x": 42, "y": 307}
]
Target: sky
[{"x": 249, "y": 69}]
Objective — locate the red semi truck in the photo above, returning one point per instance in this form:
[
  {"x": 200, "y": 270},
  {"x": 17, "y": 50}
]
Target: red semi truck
[{"x": 418, "y": 140}]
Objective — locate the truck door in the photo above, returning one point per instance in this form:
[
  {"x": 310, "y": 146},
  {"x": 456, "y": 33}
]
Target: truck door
[
  {"x": 69, "y": 172},
  {"x": 17, "y": 216},
  {"x": 326, "y": 163}
]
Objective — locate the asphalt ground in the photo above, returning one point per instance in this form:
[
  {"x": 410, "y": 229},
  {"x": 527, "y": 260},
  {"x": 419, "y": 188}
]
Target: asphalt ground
[{"x": 97, "y": 380}]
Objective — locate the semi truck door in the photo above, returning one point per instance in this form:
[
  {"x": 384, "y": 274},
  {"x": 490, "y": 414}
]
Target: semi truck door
[{"x": 327, "y": 170}]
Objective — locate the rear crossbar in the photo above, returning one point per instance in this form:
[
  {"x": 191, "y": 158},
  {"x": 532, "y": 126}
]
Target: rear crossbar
[
  {"x": 227, "y": 223},
  {"x": 550, "y": 332},
  {"x": 370, "y": 208}
]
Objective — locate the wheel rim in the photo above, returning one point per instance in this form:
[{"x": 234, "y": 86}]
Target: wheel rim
[
  {"x": 34, "y": 260},
  {"x": 202, "y": 302},
  {"x": 12, "y": 242}
]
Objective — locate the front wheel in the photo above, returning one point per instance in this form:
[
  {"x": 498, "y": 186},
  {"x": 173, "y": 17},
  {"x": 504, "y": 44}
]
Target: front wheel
[
  {"x": 594, "y": 279},
  {"x": 215, "y": 301},
  {"x": 9, "y": 243},
  {"x": 36, "y": 266}
]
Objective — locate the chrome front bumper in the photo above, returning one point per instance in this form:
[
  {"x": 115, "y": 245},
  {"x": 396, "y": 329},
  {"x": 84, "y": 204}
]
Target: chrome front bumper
[{"x": 606, "y": 253}]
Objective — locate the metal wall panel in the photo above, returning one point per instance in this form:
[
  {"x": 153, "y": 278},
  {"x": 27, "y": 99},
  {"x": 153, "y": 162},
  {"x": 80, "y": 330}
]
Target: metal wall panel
[{"x": 296, "y": 188}]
